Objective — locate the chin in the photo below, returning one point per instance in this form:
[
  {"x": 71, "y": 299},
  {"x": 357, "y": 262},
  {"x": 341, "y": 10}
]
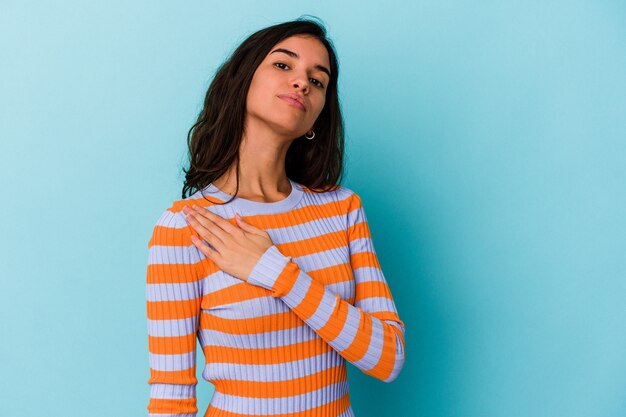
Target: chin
[{"x": 287, "y": 127}]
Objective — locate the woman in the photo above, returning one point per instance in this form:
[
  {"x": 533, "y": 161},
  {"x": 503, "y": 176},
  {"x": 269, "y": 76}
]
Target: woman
[{"x": 282, "y": 299}]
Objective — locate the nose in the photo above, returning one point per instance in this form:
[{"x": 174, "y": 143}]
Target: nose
[{"x": 301, "y": 83}]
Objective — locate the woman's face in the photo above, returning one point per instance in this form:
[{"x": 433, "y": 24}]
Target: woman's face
[{"x": 295, "y": 66}]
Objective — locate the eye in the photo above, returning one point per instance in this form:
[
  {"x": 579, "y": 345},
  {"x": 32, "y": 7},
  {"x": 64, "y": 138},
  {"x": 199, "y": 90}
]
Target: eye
[
  {"x": 319, "y": 83},
  {"x": 315, "y": 81}
]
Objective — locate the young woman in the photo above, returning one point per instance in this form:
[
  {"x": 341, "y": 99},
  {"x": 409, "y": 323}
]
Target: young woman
[{"x": 269, "y": 262}]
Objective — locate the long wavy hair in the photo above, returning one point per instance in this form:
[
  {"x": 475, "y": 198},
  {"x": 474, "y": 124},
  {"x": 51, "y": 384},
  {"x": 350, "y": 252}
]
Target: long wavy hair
[{"x": 215, "y": 138}]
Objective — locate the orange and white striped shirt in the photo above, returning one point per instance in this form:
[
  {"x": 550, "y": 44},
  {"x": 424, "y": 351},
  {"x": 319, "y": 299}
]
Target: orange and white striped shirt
[{"x": 277, "y": 344}]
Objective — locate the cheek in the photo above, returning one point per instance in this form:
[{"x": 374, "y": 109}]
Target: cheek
[
  {"x": 319, "y": 106},
  {"x": 261, "y": 92},
  {"x": 256, "y": 101}
]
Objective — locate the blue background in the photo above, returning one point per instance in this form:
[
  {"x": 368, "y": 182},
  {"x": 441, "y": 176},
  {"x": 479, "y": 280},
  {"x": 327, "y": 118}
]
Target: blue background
[{"x": 485, "y": 138}]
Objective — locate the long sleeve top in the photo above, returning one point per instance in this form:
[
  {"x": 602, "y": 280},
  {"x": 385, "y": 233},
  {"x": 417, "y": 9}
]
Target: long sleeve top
[{"x": 278, "y": 343}]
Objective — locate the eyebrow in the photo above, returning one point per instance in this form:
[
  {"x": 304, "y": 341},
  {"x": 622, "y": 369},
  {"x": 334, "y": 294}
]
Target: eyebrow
[{"x": 295, "y": 55}]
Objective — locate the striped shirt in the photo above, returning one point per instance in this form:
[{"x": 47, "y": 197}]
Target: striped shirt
[{"x": 276, "y": 345}]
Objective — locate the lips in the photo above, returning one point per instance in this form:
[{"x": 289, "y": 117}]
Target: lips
[{"x": 294, "y": 100}]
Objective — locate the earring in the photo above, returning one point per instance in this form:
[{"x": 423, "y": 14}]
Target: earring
[{"x": 306, "y": 135}]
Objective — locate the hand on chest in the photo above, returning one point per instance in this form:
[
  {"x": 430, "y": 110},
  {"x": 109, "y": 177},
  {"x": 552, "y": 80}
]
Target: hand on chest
[{"x": 319, "y": 247}]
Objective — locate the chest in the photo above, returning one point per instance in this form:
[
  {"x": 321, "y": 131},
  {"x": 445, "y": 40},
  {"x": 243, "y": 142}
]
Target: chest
[{"x": 320, "y": 249}]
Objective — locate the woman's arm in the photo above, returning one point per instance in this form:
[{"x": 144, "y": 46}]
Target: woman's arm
[
  {"x": 368, "y": 334},
  {"x": 173, "y": 296}
]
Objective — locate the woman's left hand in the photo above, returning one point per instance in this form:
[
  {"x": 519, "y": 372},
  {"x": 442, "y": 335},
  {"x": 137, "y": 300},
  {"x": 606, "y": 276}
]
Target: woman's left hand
[{"x": 237, "y": 249}]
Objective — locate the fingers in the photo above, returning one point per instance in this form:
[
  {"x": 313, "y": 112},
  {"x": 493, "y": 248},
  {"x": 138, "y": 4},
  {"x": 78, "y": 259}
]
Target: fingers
[
  {"x": 206, "y": 232},
  {"x": 204, "y": 225},
  {"x": 225, "y": 227},
  {"x": 204, "y": 248},
  {"x": 247, "y": 226}
]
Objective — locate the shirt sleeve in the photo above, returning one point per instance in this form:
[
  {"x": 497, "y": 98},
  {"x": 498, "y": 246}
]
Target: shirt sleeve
[
  {"x": 368, "y": 334},
  {"x": 173, "y": 298}
]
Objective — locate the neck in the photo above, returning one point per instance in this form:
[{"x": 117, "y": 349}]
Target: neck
[{"x": 262, "y": 175}]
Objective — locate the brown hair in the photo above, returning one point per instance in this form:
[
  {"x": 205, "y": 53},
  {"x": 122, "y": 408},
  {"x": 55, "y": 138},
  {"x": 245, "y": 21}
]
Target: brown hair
[{"x": 214, "y": 139}]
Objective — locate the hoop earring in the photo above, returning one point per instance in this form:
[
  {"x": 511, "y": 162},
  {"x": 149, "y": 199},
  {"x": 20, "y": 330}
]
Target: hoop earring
[{"x": 306, "y": 135}]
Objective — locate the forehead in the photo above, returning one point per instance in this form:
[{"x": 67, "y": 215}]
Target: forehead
[{"x": 307, "y": 47}]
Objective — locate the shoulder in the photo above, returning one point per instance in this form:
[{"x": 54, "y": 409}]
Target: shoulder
[
  {"x": 171, "y": 227},
  {"x": 174, "y": 215},
  {"x": 200, "y": 198},
  {"x": 342, "y": 197}
]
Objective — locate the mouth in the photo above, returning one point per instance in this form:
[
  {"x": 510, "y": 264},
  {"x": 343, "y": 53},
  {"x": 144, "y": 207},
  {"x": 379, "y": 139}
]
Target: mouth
[{"x": 293, "y": 101}]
